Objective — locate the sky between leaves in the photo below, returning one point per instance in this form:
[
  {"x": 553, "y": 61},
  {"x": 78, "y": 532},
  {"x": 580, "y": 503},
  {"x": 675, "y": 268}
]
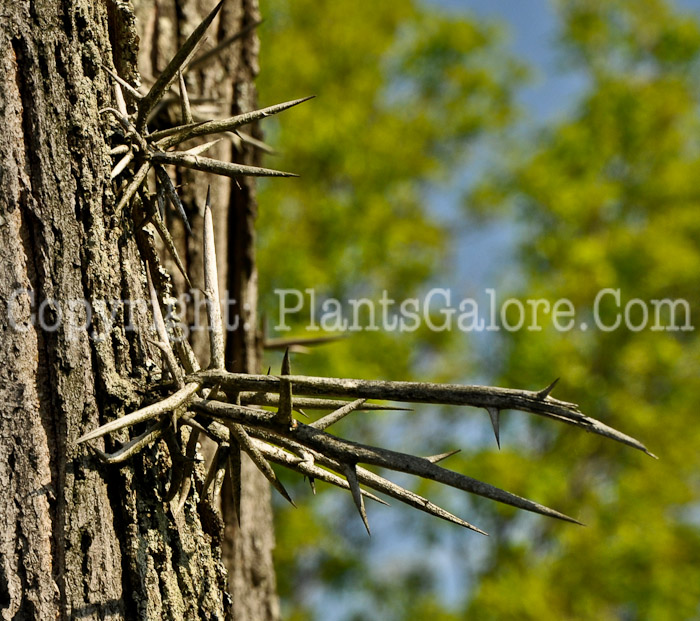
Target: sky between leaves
[{"x": 603, "y": 195}]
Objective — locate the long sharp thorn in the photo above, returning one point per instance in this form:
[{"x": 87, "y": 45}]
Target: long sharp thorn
[
  {"x": 221, "y": 471},
  {"x": 174, "y": 368},
  {"x": 308, "y": 468},
  {"x": 312, "y": 484},
  {"x": 495, "y": 416},
  {"x": 158, "y": 320},
  {"x": 544, "y": 393},
  {"x": 216, "y": 167},
  {"x": 214, "y": 467},
  {"x": 161, "y": 205},
  {"x": 178, "y": 464},
  {"x": 258, "y": 144},
  {"x": 284, "y": 343},
  {"x": 159, "y": 134},
  {"x": 211, "y": 287},
  {"x": 234, "y": 466},
  {"x": 284, "y": 409},
  {"x": 372, "y": 480},
  {"x": 130, "y": 89},
  {"x": 122, "y": 119},
  {"x": 171, "y": 193},
  {"x": 311, "y": 403},
  {"x": 180, "y": 345},
  {"x": 595, "y": 426},
  {"x": 203, "y": 58},
  {"x": 434, "y": 459},
  {"x": 190, "y": 452},
  {"x": 423, "y": 392},
  {"x": 119, "y": 97},
  {"x": 199, "y": 149},
  {"x": 334, "y": 417},
  {"x": 184, "y": 100},
  {"x": 169, "y": 244},
  {"x": 120, "y": 149},
  {"x": 223, "y": 125},
  {"x": 133, "y": 186},
  {"x": 259, "y": 460},
  {"x": 133, "y": 446},
  {"x": 351, "y": 475},
  {"x": 151, "y": 411},
  {"x": 411, "y": 498},
  {"x": 178, "y": 61},
  {"x": 286, "y": 364},
  {"x": 121, "y": 165},
  {"x": 418, "y": 466}
]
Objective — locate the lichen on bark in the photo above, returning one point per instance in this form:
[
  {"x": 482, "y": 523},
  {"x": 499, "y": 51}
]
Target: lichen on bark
[{"x": 80, "y": 539}]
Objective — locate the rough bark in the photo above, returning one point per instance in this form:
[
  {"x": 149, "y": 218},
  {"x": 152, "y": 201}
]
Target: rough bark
[
  {"x": 81, "y": 539},
  {"x": 227, "y": 86}
]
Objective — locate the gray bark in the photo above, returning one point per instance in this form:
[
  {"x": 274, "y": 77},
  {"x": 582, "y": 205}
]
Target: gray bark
[
  {"x": 227, "y": 83},
  {"x": 81, "y": 539}
]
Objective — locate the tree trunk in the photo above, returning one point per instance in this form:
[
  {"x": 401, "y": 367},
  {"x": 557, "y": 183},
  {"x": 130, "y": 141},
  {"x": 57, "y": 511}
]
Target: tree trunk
[{"x": 82, "y": 539}]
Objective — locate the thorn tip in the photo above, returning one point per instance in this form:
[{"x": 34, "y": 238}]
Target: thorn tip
[
  {"x": 495, "y": 415},
  {"x": 544, "y": 393}
]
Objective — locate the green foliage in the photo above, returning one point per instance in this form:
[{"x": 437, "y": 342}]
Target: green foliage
[
  {"x": 403, "y": 94},
  {"x": 607, "y": 198},
  {"x": 610, "y": 199},
  {"x": 628, "y": 36}
]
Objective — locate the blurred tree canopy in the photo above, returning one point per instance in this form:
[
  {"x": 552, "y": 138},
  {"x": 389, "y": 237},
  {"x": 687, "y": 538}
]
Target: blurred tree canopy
[
  {"x": 403, "y": 92},
  {"x": 608, "y": 198}
]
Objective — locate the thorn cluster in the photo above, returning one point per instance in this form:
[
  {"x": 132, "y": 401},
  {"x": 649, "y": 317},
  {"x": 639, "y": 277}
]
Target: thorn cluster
[
  {"x": 229, "y": 407},
  {"x": 143, "y": 151}
]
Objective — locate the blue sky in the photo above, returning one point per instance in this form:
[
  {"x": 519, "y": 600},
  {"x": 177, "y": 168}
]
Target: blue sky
[
  {"x": 484, "y": 252},
  {"x": 532, "y": 28}
]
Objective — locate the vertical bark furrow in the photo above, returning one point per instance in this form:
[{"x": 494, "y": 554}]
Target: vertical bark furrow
[
  {"x": 57, "y": 130},
  {"x": 25, "y": 472},
  {"x": 60, "y": 521},
  {"x": 82, "y": 540}
]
